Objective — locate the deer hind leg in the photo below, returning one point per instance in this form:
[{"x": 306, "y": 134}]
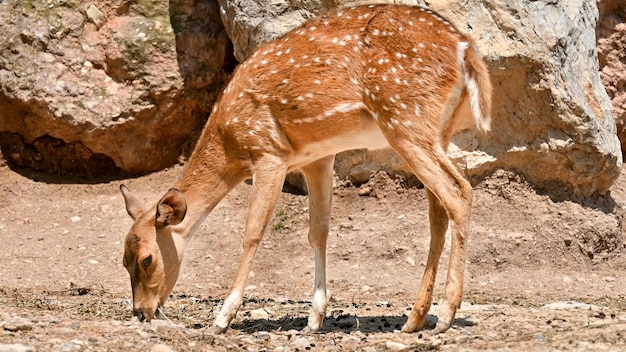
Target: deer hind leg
[
  {"x": 269, "y": 175},
  {"x": 319, "y": 179},
  {"x": 438, "y": 226},
  {"x": 454, "y": 194}
]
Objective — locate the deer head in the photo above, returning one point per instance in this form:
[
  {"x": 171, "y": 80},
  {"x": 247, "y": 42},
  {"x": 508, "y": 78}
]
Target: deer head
[{"x": 153, "y": 250}]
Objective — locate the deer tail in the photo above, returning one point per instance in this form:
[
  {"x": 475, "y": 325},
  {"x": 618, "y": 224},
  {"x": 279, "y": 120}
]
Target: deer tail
[{"x": 477, "y": 85}]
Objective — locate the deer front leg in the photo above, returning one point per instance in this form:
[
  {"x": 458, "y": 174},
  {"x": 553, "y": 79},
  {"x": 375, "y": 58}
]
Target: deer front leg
[
  {"x": 319, "y": 179},
  {"x": 269, "y": 177}
]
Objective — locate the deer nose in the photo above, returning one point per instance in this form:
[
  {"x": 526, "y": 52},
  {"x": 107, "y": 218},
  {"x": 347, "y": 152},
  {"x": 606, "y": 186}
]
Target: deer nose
[{"x": 139, "y": 314}]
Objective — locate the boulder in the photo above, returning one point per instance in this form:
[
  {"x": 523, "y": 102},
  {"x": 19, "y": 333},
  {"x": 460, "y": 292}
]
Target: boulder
[
  {"x": 108, "y": 86},
  {"x": 611, "y": 38},
  {"x": 552, "y": 118}
]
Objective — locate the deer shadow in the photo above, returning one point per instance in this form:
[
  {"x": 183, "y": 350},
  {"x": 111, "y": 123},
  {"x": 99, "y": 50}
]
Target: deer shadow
[{"x": 344, "y": 323}]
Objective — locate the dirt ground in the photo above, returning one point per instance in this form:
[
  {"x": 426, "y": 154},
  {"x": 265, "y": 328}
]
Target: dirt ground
[{"x": 545, "y": 271}]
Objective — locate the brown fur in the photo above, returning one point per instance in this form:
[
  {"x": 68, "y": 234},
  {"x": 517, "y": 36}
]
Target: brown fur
[{"x": 365, "y": 77}]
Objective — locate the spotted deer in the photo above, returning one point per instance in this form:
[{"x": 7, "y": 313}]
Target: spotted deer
[{"x": 364, "y": 77}]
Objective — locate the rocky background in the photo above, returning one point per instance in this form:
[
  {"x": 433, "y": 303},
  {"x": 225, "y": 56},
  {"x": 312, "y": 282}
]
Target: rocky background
[{"x": 115, "y": 87}]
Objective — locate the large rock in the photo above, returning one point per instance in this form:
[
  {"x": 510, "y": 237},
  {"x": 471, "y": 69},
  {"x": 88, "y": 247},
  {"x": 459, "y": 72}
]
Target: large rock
[
  {"x": 107, "y": 86},
  {"x": 611, "y": 36},
  {"x": 552, "y": 118}
]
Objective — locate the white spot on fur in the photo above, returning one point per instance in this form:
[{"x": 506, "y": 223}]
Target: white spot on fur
[{"x": 344, "y": 108}]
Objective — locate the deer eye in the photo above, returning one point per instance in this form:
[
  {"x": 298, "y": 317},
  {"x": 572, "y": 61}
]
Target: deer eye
[{"x": 147, "y": 261}]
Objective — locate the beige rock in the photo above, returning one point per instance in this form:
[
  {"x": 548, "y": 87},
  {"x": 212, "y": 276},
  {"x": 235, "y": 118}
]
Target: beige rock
[
  {"x": 95, "y": 15},
  {"x": 611, "y": 36},
  {"x": 154, "y": 70}
]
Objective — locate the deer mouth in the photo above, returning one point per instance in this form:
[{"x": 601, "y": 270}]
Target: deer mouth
[{"x": 142, "y": 315}]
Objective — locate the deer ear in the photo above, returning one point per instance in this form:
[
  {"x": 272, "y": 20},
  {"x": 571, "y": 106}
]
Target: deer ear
[
  {"x": 134, "y": 206},
  {"x": 171, "y": 209}
]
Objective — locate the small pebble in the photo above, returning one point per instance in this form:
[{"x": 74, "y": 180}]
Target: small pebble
[
  {"x": 301, "y": 344},
  {"x": 16, "y": 347},
  {"x": 259, "y": 314},
  {"x": 18, "y": 324},
  {"x": 395, "y": 346}
]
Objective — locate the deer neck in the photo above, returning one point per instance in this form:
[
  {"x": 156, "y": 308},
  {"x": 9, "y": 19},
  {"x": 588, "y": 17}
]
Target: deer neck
[{"x": 207, "y": 178}]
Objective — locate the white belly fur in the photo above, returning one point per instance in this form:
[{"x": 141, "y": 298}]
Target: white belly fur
[{"x": 369, "y": 137}]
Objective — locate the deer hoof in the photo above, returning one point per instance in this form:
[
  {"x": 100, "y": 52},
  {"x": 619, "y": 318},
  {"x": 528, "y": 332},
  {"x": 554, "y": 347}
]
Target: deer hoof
[
  {"x": 216, "y": 329},
  {"x": 440, "y": 328}
]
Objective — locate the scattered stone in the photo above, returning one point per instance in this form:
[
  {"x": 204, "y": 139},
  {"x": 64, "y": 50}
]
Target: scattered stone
[
  {"x": 161, "y": 348},
  {"x": 163, "y": 326},
  {"x": 259, "y": 314},
  {"x": 395, "y": 346},
  {"x": 69, "y": 347},
  {"x": 95, "y": 15},
  {"x": 75, "y": 218},
  {"x": 16, "y": 347},
  {"x": 18, "y": 324},
  {"x": 365, "y": 191},
  {"x": 301, "y": 344},
  {"x": 569, "y": 305}
]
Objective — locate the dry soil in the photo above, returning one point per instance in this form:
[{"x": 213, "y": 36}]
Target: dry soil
[{"x": 545, "y": 270}]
